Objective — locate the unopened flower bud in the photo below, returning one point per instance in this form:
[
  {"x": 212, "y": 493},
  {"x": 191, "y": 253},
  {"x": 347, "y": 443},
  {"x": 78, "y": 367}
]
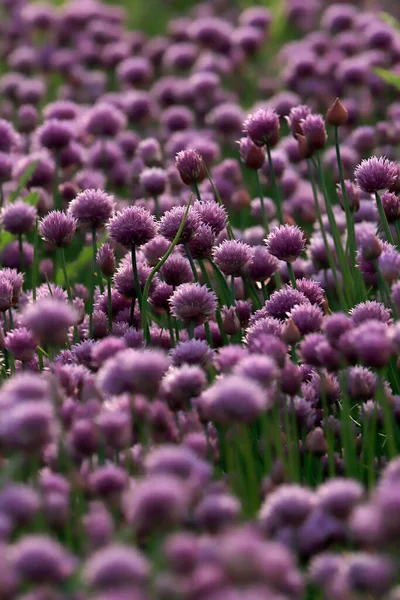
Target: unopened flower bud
[{"x": 336, "y": 115}]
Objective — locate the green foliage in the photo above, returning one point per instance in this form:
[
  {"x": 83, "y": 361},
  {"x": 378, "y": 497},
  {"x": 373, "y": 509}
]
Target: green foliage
[
  {"x": 25, "y": 177},
  {"x": 389, "y": 77}
]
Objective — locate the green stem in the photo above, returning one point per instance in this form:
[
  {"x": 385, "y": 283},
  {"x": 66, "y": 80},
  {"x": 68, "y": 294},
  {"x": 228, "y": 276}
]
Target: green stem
[
  {"x": 155, "y": 271},
  {"x": 157, "y": 208},
  {"x": 349, "y": 218},
  {"x": 69, "y": 293},
  {"x": 35, "y": 259},
  {"x": 344, "y": 266},
  {"x": 21, "y": 253},
  {"x": 291, "y": 275},
  {"x": 56, "y": 180},
  {"x": 331, "y": 260},
  {"x": 136, "y": 277},
  {"x": 94, "y": 246},
  {"x": 384, "y": 221},
  {"x": 171, "y": 330},
  {"x": 218, "y": 315},
  {"x": 190, "y": 259},
  {"x": 109, "y": 304},
  {"x": 397, "y": 226},
  {"x": 191, "y": 330},
  {"x": 229, "y": 229},
  {"x": 275, "y": 187},
  {"x": 261, "y": 196}
]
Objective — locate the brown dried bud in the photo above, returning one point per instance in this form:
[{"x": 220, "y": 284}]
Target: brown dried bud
[
  {"x": 337, "y": 115},
  {"x": 290, "y": 334}
]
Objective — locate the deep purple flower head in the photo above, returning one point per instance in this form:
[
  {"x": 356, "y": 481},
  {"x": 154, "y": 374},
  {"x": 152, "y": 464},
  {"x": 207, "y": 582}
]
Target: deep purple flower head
[
  {"x": 18, "y": 218},
  {"x": 258, "y": 368},
  {"x": 282, "y": 301},
  {"x": 263, "y": 265},
  {"x": 172, "y": 219},
  {"x": 371, "y": 309},
  {"x": 133, "y": 371},
  {"x": 105, "y": 258},
  {"x": 312, "y": 290},
  {"x": 21, "y": 343},
  {"x": 153, "y": 181},
  {"x": 104, "y": 120},
  {"x": 8, "y": 137},
  {"x": 212, "y": 214},
  {"x": 288, "y": 505},
  {"x": 135, "y": 71},
  {"x": 202, "y": 243},
  {"x": 43, "y": 174},
  {"x": 296, "y": 115},
  {"x": 124, "y": 282},
  {"x": 192, "y": 352},
  {"x": 233, "y": 257},
  {"x": 132, "y": 226},
  {"x": 176, "y": 270},
  {"x": 6, "y": 294},
  {"x": 339, "y": 496},
  {"x": 58, "y": 229},
  {"x": 308, "y": 318},
  {"x": 27, "y": 118},
  {"x": 6, "y": 167},
  {"x": 389, "y": 263},
  {"x": 391, "y": 206},
  {"x": 233, "y": 399},
  {"x": 193, "y": 303},
  {"x": 313, "y": 129},
  {"x": 49, "y": 320},
  {"x": 155, "y": 249},
  {"x": 55, "y": 135},
  {"x": 352, "y": 193},
  {"x": 182, "y": 384},
  {"x": 116, "y": 566},
  {"x": 92, "y": 208},
  {"x": 286, "y": 242},
  {"x": 40, "y": 560},
  {"x": 262, "y": 127},
  {"x": 190, "y": 166},
  {"x": 371, "y": 343},
  {"x": 226, "y": 118},
  {"x": 251, "y": 155},
  {"x": 11, "y": 258},
  {"x": 375, "y": 174},
  {"x": 15, "y": 279}
]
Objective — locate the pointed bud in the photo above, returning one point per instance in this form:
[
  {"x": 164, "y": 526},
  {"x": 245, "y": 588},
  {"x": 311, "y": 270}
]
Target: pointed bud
[
  {"x": 316, "y": 442},
  {"x": 371, "y": 249},
  {"x": 337, "y": 115},
  {"x": 230, "y": 320},
  {"x": 304, "y": 150},
  {"x": 290, "y": 334}
]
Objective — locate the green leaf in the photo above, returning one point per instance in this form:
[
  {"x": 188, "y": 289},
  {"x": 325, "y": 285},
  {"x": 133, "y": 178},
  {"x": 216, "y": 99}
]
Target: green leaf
[
  {"x": 390, "y": 20},
  {"x": 5, "y": 238},
  {"x": 389, "y": 77},
  {"x": 25, "y": 177},
  {"x": 32, "y": 198}
]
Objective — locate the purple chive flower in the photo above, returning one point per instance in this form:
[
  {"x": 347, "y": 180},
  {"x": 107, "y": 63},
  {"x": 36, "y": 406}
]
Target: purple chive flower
[
  {"x": 233, "y": 257},
  {"x": 155, "y": 249},
  {"x": 234, "y": 399},
  {"x": 116, "y": 566},
  {"x": 263, "y": 265},
  {"x": 6, "y": 294},
  {"x": 105, "y": 120},
  {"x": 106, "y": 261},
  {"x": 54, "y": 135},
  {"x": 251, "y": 155},
  {"x": 172, "y": 219},
  {"x": 202, "y": 243},
  {"x": 44, "y": 172},
  {"x": 18, "y": 218},
  {"x": 368, "y": 310},
  {"x": 57, "y": 229},
  {"x": 391, "y": 206},
  {"x": 193, "y": 303},
  {"x": 133, "y": 371},
  {"x": 389, "y": 263},
  {"x": 296, "y": 115},
  {"x": 312, "y": 290},
  {"x": 92, "y": 208},
  {"x": 261, "y": 369},
  {"x": 124, "y": 281},
  {"x": 8, "y": 137},
  {"x": 182, "y": 384},
  {"x": 308, "y": 318},
  {"x": 6, "y": 167},
  {"x": 153, "y": 181},
  {"x": 21, "y": 343},
  {"x": 262, "y": 127},
  {"x": 212, "y": 214},
  {"x": 289, "y": 505},
  {"x": 49, "y": 320},
  {"x": 192, "y": 352},
  {"x": 353, "y": 195},
  {"x": 10, "y": 256},
  {"x": 370, "y": 343},
  {"x": 132, "y": 226},
  {"x": 286, "y": 242},
  {"x": 40, "y": 560},
  {"x": 313, "y": 129},
  {"x": 27, "y": 118},
  {"x": 375, "y": 174},
  {"x": 190, "y": 166},
  {"x": 15, "y": 279},
  {"x": 176, "y": 270}
]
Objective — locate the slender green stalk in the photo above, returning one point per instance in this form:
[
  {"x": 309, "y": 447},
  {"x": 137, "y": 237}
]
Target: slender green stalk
[
  {"x": 331, "y": 260},
  {"x": 35, "y": 259},
  {"x": 387, "y": 418},
  {"x": 109, "y": 304},
  {"x": 132, "y": 312},
  {"x": 229, "y": 229},
  {"x": 68, "y": 286},
  {"x": 155, "y": 271},
  {"x": 157, "y": 208},
  {"x": 344, "y": 266},
  {"x": 261, "y": 196},
  {"x": 383, "y": 219},
  {"x": 349, "y": 216},
  {"x": 291, "y": 275},
  {"x": 397, "y": 226},
  {"x": 94, "y": 246},
  {"x": 56, "y": 182},
  {"x": 136, "y": 277},
  {"x": 191, "y": 330},
  {"x": 222, "y": 283},
  {"x": 92, "y": 286},
  {"x": 190, "y": 259},
  {"x": 218, "y": 315},
  {"x": 21, "y": 254},
  {"x": 171, "y": 330},
  {"x": 208, "y": 334},
  {"x": 275, "y": 187}
]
